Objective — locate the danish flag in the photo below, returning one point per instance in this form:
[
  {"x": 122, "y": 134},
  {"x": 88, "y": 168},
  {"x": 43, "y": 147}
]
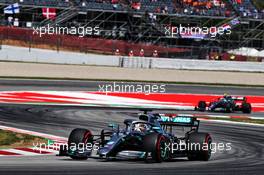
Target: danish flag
[{"x": 49, "y": 13}]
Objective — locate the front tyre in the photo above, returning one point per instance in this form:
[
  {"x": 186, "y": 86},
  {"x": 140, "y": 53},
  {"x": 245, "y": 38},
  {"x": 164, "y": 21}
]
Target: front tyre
[
  {"x": 228, "y": 108},
  {"x": 162, "y": 151},
  {"x": 158, "y": 145},
  {"x": 202, "y": 106},
  {"x": 78, "y": 139}
]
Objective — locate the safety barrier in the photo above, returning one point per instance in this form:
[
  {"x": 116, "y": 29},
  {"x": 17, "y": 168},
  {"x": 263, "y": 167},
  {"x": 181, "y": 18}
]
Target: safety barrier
[
  {"x": 183, "y": 64},
  {"x": 12, "y": 53}
]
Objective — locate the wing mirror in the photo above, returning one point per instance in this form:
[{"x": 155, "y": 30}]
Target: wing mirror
[{"x": 114, "y": 126}]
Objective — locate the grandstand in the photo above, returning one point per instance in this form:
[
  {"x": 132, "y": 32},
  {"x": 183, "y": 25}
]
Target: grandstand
[{"x": 136, "y": 24}]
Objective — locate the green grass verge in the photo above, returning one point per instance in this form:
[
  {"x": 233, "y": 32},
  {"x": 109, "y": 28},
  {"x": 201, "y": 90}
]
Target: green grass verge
[{"x": 9, "y": 139}]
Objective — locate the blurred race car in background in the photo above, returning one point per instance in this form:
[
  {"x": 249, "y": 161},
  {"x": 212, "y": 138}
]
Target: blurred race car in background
[
  {"x": 225, "y": 104},
  {"x": 155, "y": 137}
]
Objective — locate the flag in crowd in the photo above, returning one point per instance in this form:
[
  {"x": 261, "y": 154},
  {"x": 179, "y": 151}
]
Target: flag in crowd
[
  {"x": 136, "y": 5},
  {"x": 12, "y": 9},
  {"x": 226, "y": 27},
  {"x": 49, "y": 13},
  {"x": 234, "y": 22}
]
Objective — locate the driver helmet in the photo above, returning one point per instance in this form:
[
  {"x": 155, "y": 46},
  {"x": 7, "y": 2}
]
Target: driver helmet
[
  {"x": 227, "y": 97},
  {"x": 140, "y": 127}
]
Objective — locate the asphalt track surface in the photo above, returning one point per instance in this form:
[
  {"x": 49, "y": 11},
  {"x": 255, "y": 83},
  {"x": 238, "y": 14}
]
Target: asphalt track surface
[
  {"x": 18, "y": 84},
  {"x": 245, "y": 157}
]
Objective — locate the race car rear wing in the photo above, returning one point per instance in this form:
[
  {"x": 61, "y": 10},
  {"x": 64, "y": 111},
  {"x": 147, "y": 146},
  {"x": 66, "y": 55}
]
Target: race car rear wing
[
  {"x": 178, "y": 120},
  {"x": 239, "y": 98}
]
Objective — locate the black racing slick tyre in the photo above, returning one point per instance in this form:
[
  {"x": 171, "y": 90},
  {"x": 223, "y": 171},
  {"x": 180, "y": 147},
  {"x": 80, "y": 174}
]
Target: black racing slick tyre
[
  {"x": 228, "y": 108},
  {"x": 199, "y": 145},
  {"x": 202, "y": 106},
  {"x": 158, "y": 146},
  {"x": 79, "y": 137},
  {"x": 246, "y": 108},
  {"x": 162, "y": 152}
]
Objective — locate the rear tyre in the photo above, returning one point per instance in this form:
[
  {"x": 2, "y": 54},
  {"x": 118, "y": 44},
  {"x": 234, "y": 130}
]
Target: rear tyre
[
  {"x": 202, "y": 106},
  {"x": 201, "y": 152},
  {"x": 79, "y": 137},
  {"x": 246, "y": 108}
]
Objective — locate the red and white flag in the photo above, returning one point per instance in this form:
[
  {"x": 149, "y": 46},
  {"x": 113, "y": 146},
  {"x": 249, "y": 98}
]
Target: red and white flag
[
  {"x": 49, "y": 13},
  {"x": 226, "y": 27},
  {"x": 136, "y": 5}
]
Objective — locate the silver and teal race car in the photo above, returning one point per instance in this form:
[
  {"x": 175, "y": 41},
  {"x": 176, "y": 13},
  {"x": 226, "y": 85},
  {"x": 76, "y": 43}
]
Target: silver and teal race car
[
  {"x": 153, "y": 137},
  {"x": 226, "y": 103}
]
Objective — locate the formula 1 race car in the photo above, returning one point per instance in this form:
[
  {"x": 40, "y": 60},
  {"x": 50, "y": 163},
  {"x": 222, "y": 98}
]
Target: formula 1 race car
[
  {"x": 225, "y": 104},
  {"x": 154, "y": 137}
]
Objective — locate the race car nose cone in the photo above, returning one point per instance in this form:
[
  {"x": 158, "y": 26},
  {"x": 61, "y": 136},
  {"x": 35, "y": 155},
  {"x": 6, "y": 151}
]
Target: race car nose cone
[{"x": 103, "y": 151}]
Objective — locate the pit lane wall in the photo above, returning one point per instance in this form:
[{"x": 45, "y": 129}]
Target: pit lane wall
[{"x": 22, "y": 54}]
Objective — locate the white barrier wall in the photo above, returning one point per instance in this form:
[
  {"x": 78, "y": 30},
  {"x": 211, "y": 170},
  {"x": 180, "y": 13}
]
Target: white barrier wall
[
  {"x": 184, "y": 64},
  {"x": 12, "y": 53},
  {"x": 208, "y": 65}
]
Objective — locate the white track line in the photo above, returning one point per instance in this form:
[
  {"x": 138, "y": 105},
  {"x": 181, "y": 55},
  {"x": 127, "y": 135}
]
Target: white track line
[
  {"x": 232, "y": 122},
  {"x": 23, "y": 153}
]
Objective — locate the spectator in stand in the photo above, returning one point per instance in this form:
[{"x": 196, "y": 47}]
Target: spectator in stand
[
  {"x": 155, "y": 53},
  {"x": 227, "y": 13},
  {"x": 115, "y": 3},
  {"x": 165, "y": 10},
  {"x": 207, "y": 57},
  {"x": 204, "y": 7},
  {"x": 232, "y": 57},
  {"x": 117, "y": 52},
  {"x": 131, "y": 53},
  {"x": 141, "y": 53},
  {"x": 157, "y": 10},
  {"x": 238, "y": 1},
  {"x": 10, "y": 21},
  {"x": 136, "y": 4}
]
